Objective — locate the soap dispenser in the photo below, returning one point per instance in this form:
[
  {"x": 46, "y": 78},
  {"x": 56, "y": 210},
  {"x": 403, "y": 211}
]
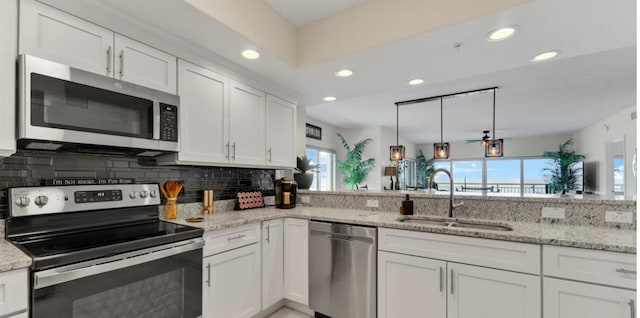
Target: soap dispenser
[{"x": 407, "y": 206}]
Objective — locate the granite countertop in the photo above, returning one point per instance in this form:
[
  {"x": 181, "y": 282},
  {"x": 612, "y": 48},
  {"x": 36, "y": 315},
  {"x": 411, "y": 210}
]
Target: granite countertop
[
  {"x": 597, "y": 238},
  {"x": 544, "y": 198},
  {"x": 11, "y": 257}
]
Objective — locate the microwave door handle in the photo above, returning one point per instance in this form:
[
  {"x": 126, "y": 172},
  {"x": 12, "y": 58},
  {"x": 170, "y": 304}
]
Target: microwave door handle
[{"x": 156, "y": 120}]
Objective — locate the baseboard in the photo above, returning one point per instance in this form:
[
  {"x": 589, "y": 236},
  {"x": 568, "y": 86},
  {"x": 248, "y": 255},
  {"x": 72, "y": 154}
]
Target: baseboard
[
  {"x": 299, "y": 307},
  {"x": 273, "y": 308}
]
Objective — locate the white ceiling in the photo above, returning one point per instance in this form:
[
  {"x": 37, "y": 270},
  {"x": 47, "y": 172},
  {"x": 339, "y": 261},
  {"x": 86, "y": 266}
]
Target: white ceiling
[
  {"x": 593, "y": 77},
  {"x": 303, "y": 12}
]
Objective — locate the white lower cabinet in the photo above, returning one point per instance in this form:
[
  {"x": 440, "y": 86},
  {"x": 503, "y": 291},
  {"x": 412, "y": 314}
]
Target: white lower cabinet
[
  {"x": 411, "y": 286},
  {"x": 477, "y": 292},
  {"x": 568, "y": 299},
  {"x": 14, "y": 292},
  {"x": 232, "y": 283},
  {"x": 432, "y": 282},
  {"x": 296, "y": 260},
  {"x": 272, "y": 262}
]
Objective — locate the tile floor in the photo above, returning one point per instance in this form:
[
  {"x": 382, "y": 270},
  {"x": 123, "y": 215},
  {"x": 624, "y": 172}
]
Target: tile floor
[{"x": 285, "y": 312}]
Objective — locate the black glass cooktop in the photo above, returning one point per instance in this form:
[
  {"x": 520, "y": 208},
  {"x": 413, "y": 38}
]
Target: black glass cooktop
[{"x": 62, "y": 249}]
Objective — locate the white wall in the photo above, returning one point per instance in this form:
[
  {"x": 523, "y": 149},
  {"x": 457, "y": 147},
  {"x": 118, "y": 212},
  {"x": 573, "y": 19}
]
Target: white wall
[
  {"x": 592, "y": 142},
  {"x": 517, "y": 147},
  {"x": 329, "y": 138},
  {"x": 371, "y": 151}
]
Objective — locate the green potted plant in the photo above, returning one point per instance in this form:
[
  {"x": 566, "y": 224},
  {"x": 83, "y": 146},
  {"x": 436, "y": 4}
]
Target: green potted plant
[
  {"x": 355, "y": 169},
  {"x": 303, "y": 178},
  {"x": 564, "y": 170}
]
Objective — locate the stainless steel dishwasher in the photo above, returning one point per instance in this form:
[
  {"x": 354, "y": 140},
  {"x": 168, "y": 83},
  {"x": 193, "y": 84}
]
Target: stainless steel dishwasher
[{"x": 342, "y": 270}]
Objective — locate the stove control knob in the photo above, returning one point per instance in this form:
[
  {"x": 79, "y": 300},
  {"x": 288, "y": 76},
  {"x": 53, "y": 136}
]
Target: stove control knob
[
  {"x": 152, "y": 193},
  {"x": 143, "y": 194},
  {"x": 132, "y": 194},
  {"x": 41, "y": 200},
  {"x": 22, "y": 202}
]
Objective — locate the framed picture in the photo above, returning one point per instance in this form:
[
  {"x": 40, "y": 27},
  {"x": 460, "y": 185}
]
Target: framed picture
[{"x": 314, "y": 132}]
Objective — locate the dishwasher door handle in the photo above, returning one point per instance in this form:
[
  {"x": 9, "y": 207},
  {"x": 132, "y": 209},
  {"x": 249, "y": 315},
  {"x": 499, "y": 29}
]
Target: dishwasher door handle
[{"x": 339, "y": 238}]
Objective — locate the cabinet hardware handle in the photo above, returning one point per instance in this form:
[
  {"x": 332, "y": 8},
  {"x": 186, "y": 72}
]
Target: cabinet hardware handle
[
  {"x": 451, "y": 281},
  {"x": 234, "y": 151},
  {"x": 625, "y": 271},
  {"x": 121, "y": 63},
  {"x": 632, "y": 304},
  {"x": 441, "y": 279},
  {"x": 269, "y": 152},
  {"x": 268, "y": 233},
  {"x": 209, "y": 275},
  {"x": 109, "y": 60},
  {"x": 236, "y": 237},
  {"x": 228, "y": 150}
]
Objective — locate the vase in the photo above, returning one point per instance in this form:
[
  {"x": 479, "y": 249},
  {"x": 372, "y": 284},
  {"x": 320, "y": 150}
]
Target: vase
[
  {"x": 304, "y": 180},
  {"x": 171, "y": 209}
]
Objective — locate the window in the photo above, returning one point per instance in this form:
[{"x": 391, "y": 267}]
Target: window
[
  {"x": 506, "y": 177},
  {"x": 325, "y": 176},
  {"x": 618, "y": 175}
]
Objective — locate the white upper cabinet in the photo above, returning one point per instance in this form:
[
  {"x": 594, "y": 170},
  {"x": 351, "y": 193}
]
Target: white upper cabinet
[
  {"x": 246, "y": 124},
  {"x": 203, "y": 105},
  {"x": 54, "y": 35},
  {"x": 9, "y": 40},
  {"x": 281, "y": 130},
  {"x": 143, "y": 65}
]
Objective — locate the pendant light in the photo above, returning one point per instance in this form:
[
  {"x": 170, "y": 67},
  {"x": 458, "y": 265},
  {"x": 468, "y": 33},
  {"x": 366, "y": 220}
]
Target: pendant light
[
  {"x": 441, "y": 149},
  {"x": 494, "y": 147},
  {"x": 396, "y": 152}
]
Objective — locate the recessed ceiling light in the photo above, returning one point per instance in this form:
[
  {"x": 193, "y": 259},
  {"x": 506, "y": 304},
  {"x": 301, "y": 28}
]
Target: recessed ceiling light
[
  {"x": 501, "y": 34},
  {"x": 416, "y": 81},
  {"x": 344, "y": 73},
  {"x": 544, "y": 56},
  {"x": 250, "y": 54},
  {"x": 329, "y": 99}
]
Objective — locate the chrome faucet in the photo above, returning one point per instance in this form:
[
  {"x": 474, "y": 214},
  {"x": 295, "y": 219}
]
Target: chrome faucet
[{"x": 452, "y": 205}]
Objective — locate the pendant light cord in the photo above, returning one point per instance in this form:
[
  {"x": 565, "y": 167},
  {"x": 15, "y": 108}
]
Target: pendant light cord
[
  {"x": 494, "y": 114},
  {"x": 441, "y": 122},
  {"x": 397, "y": 125}
]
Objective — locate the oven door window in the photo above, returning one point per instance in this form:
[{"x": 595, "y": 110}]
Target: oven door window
[
  {"x": 62, "y": 104},
  {"x": 166, "y": 288}
]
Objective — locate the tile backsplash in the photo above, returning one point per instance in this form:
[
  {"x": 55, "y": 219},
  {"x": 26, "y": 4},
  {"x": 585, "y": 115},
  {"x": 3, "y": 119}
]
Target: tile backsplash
[{"x": 31, "y": 168}]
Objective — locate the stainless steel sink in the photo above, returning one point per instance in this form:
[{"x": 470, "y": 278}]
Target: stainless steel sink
[{"x": 480, "y": 225}]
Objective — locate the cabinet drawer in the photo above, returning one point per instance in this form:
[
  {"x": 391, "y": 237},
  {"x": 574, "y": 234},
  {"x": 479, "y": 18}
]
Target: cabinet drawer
[
  {"x": 14, "y": 291},
  {"x": 602, "y": 267},
  {"x": 519, "y": 257},
  {"x": 227, "y": 239}
]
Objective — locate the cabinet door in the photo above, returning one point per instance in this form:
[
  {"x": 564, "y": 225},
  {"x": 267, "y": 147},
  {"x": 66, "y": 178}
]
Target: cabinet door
[
  {"x": 232, "y": 283},
  {"x": 410, "y": 286},
  {"x": 14, "y": 291},
  {"x": 246, "y": 124},
  {"x": 281, "y": 129},
  {"x": 296, "y": 260},
  {"x": 143, "y": 65},
  {"x": 567, "y": 299},
  {"x": 272, "y": 262},
  {"x": 482, "y": 292},
  {"x": 54, "y": 35},
  {"x": 203, "y": 106},
  {"x": 8, "y": 53}
]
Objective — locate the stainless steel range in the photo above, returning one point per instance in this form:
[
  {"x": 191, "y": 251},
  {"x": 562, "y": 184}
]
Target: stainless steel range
[{"x": 101, "y": 251}]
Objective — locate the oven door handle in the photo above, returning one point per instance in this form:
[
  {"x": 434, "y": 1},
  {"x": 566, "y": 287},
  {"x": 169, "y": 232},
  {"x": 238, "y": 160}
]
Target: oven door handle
[{"x": 76, "y": 271}]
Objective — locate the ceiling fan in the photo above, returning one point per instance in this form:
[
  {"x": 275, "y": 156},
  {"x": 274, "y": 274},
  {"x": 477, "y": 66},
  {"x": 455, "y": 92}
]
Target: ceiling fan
[{"x": 484, "y": 138}]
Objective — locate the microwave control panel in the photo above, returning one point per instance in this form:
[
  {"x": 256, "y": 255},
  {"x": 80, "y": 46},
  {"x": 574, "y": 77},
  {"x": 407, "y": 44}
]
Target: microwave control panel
[{"x": 168, "y": 122}]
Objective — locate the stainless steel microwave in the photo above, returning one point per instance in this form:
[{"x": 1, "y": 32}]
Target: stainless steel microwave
[{"x": 60, "y": 105}]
